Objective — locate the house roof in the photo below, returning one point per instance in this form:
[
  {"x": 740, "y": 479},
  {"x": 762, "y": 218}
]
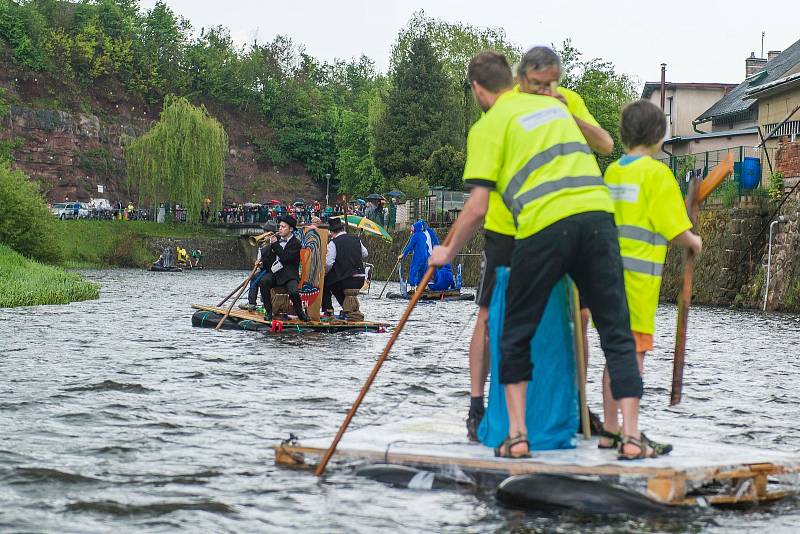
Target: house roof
[
  {"x": 711, "y": 135},
  {"x": 736, "y": 101},
  {"x": 651, "y": 87},
  {"x": 778, "y": 86}
]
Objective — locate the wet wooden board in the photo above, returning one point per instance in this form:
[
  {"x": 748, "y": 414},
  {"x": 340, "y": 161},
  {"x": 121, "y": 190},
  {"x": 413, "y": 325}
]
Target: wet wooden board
[
  {"x": 327, "y": 324},
  {"x": 740, "y": 473}
]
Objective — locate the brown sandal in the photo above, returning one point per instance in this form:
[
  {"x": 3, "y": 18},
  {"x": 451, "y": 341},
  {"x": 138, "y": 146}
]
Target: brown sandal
[
  {"x": 504, "y": 450},
  {"x": 642, "y": 443}
]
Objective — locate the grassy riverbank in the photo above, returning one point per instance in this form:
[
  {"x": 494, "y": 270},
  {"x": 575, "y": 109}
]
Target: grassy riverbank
[
  {"x": 102, "y": 244},
  {"x": 25, "y": 282}
]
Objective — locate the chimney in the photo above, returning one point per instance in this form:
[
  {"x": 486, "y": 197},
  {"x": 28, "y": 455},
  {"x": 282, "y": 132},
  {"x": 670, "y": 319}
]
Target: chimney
[
  {"x": 753, "y": 64},
  {"x": 772, "y": 54}
]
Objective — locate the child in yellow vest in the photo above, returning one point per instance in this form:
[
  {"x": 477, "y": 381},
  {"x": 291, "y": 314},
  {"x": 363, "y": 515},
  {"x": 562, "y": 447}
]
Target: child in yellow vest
[{"x": 650, "y": 213}]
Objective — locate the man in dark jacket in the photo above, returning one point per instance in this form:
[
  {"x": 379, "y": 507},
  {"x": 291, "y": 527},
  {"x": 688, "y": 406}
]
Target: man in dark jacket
[
  {"x": 280, "y": 261},
  {"x": 344, "y": 266}
]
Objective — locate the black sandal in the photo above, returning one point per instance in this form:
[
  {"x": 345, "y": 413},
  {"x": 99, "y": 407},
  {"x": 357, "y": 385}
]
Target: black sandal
[
  {"x": 615, "y": 437},
  {"x": 642, "y": 443},
  {"x": 660, "y": 448},
  {"x": 504, "y": 450}
]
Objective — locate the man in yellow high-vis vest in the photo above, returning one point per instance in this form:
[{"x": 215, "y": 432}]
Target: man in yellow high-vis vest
[
  {"x": 528, "y": 153},
  {"x": 499, "y": 228}
]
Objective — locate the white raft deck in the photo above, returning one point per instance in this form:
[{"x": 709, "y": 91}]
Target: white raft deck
[{"x": 695, "y": 473}]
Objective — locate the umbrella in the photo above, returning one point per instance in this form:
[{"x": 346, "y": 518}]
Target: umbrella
[
  {"x": 361, "y": 201},
  {"x": 395, "y": 193},
  {"x": 273, "y": 201},
  {"x": 298, "y": 201},
  {"x": 368, "y": 226},
  {"x": 374, "y": 196}
]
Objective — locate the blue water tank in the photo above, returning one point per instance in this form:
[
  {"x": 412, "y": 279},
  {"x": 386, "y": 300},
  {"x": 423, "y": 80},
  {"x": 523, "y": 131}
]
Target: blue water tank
[{"x": 751, "y": 173}]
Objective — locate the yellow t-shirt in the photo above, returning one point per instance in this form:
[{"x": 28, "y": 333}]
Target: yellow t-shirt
[{"x": 528, "y": 148}]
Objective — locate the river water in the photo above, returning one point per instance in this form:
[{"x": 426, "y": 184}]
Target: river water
[{"x": 116, "y": 414}]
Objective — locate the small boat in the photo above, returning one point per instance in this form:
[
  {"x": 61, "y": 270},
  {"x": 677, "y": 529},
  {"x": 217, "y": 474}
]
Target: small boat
[
  {"x": 162, "y": 269},
  {"x": 430, "y": 294},
  {"x": 694, "y": 474},
  {"x": 312, "y": 279}
]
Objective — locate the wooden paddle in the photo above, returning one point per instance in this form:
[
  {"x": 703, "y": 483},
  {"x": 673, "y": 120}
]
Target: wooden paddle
[
  {"x": 580, "y": 363},
  {"x": 223, "y": 301},
  {"x": 399, "y": 328},
  {"x": 698, "y": 192},
  {"x": 239, "y": 294}
]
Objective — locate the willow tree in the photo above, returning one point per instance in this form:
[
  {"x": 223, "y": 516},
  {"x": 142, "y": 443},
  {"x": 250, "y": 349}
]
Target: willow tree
[{"x": 181, "y": 159}]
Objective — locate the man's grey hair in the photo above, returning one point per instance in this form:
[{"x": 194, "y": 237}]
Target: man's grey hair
[{"x": 538, "y": 58}]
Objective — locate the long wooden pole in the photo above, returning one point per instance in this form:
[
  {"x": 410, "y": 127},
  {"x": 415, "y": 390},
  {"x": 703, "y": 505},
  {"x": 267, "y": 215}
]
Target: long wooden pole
[
  {"x": 239, "y": 294},
  {"x": 580, "y": 363},
  {"x": 223, "y": 301},
  {"x": 399, "y": 328},
  {"x": 391, "y": 273},
  {"x": 698, "y": 192}
]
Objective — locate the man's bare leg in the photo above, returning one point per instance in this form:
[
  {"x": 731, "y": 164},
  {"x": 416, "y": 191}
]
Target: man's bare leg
[
  {"x": 611, "y": 407},
  {"x": 515, "y": 400}
]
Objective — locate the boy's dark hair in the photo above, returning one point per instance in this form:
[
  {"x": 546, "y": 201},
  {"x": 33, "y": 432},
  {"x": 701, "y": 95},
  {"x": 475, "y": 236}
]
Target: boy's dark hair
[
  {"x": 491, "y": 70},
  {"x": 643, "y": 124}
]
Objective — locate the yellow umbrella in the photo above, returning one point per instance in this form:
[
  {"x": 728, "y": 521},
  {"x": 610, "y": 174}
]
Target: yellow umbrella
[{"x": 367, "y": 225}]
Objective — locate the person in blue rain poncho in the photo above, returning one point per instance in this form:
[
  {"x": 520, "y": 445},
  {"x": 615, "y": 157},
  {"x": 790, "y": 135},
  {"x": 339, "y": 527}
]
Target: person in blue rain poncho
[
  {"x": 422, "y": 241},
  {"x": 419, "y": 246}
]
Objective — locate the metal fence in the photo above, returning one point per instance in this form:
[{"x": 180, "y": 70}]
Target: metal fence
[{"x": 701, "y": 163}]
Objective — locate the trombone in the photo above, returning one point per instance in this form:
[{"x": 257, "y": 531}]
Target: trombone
[{"x": 258, "y": 240}]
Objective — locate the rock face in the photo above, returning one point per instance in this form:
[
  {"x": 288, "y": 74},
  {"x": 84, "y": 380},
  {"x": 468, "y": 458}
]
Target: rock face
[
  {"x": 70, "y": 140},
  {"x": 70, "y": 154}
]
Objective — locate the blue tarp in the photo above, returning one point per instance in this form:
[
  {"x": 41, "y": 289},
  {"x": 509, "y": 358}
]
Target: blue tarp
[{"x": 552, "y": 403}]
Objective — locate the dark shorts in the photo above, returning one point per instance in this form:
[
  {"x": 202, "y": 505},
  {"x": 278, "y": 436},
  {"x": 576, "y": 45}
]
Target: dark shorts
[{"x": 496, "y": 253}]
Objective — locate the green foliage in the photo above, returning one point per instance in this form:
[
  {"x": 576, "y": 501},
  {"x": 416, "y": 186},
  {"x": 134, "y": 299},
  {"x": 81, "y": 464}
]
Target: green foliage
[
  {"x": 421, "y": 113},
  {"x": 413, "y": 187},
  {"x": 24, "y": 282},
  {"x": 26, "y": 224},
  {"x": 776, "y": 186},
  {"x": 454, "y": 44},
  {"x": 604, "y": 90},
  {"x": 181, "y": 159},
  {"x": 728, "y": 193},
  {"x": 445, "y": 167}
]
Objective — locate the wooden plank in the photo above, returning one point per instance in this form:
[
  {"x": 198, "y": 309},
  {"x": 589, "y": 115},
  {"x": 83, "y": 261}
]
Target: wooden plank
[
  {"x": 513, "y": 467},
  {"x": 667, "y": 489}
]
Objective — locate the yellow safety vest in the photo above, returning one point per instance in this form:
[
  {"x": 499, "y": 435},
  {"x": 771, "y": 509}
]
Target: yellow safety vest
[
  {"x": 529, "y": 151},
  {"x": 649, "y": 212}
]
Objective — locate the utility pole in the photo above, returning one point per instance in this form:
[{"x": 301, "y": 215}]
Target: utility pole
[
  {"x": 327, "y": 188},
  {"x": 762, "y": 43},
  {"x": 663, "y": 83}
]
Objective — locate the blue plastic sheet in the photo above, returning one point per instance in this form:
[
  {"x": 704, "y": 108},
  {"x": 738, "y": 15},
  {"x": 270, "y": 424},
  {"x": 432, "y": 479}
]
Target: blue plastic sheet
[{"x": 552, "y": 397}]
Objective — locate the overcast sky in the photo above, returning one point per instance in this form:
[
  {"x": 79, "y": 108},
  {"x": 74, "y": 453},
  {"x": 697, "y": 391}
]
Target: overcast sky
[{"x": 700, "y": 40}]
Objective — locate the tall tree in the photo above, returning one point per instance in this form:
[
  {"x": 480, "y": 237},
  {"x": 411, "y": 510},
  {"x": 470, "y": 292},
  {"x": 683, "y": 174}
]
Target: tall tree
[
  {"x": 421, "y": 113},
  {"x": 604, "y": 90},
  {"x": 181, "y": 159}
]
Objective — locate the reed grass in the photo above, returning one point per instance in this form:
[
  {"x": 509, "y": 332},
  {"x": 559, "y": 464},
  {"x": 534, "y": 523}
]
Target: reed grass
[{"x": 25, "y": 282}]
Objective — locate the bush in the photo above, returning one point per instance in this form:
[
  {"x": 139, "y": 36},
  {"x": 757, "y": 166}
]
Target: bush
[
  {"x": 776, "y": 186},
  {"x": 26, "y": 225}
]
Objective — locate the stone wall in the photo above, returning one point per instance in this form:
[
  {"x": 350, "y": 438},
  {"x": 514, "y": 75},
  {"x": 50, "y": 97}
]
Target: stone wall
[
  {"x": 217, "y": 253},
  {"x": 733, "y": 245}
]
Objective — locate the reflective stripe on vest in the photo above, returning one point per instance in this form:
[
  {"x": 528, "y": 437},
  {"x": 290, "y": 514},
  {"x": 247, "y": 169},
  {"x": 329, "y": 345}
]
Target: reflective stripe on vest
[
  {"x": 546, "y": 188},
  {"x": 641, "y": 234},
  {"x": 642, "y": 266},
  {"x": 536, "y": 162}
]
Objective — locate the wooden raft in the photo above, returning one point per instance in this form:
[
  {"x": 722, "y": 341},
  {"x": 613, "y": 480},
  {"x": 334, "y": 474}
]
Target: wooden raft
[
  {"x": 724, "y": 475},
  {"x": 321, "y": 325}
]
